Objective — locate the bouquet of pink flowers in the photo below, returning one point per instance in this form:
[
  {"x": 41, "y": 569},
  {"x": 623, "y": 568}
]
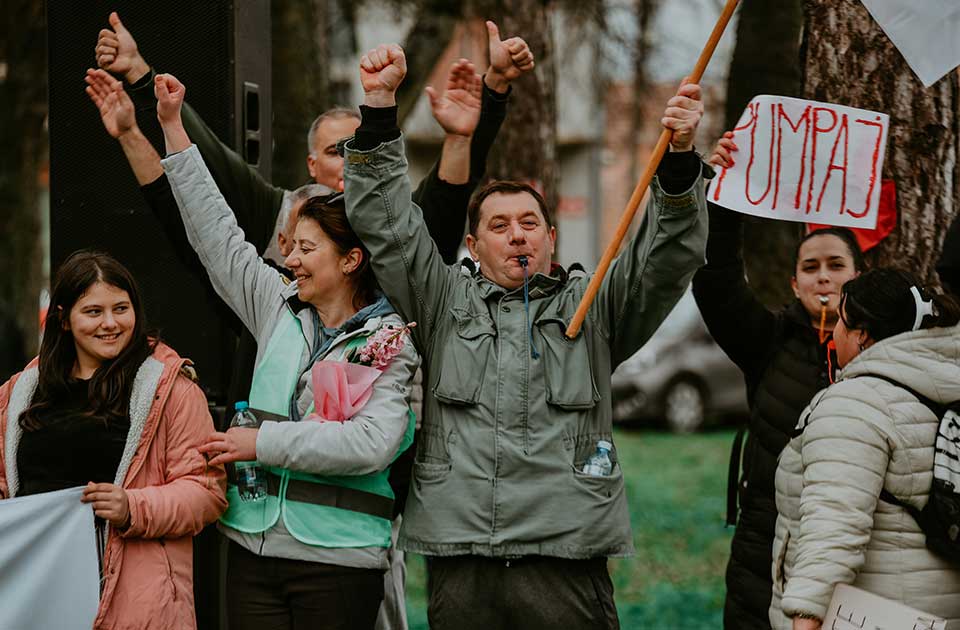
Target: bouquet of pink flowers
[{"x": 342, "y": 388}]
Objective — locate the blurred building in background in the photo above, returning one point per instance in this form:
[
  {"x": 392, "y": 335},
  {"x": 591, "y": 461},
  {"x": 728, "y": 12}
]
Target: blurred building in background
[{"x": 601, "y": 147}]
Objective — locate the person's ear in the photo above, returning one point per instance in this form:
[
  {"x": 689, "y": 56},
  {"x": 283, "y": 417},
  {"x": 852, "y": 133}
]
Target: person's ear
[
  {"x": 352, "y": 261},
  {"x": 793, "y": 285},
  {"x": 472, "y": 247}
]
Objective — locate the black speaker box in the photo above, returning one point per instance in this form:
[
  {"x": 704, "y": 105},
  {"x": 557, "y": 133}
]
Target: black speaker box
[{"x": 221, "y": 51}]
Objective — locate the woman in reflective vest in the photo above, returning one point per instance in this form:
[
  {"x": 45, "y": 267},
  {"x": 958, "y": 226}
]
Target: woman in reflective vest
[{"x": 313, "y": 553}]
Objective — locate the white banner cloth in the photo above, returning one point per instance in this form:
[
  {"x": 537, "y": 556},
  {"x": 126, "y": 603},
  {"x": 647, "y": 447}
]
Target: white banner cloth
[
  {"x": 926, "y": 32},
  {"x": 49, "y": 574},
  {"x": 806, "y": 161}
]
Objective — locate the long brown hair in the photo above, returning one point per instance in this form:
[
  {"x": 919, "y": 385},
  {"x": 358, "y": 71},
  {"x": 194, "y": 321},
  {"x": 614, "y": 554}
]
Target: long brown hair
[{"x": 110, "y": 386}]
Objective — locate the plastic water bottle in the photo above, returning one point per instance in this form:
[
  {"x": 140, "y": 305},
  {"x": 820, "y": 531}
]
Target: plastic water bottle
[
  {"x": 251, "y": 477},
  {"x": 599, "y": 464}
]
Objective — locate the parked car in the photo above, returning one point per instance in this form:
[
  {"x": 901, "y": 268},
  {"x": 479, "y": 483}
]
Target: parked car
[{"x": 680, "y": 377}]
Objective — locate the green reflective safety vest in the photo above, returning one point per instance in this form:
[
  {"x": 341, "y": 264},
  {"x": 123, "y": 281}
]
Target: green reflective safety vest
[{"x": 349, "y": 511}]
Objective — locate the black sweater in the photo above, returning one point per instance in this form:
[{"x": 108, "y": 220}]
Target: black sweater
[
  {"x": 70, "y": 448},
  {"x": 948, "y": 267}
]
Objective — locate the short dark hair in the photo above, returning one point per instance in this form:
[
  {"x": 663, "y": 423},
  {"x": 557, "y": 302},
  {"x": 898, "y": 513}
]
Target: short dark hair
[
  {"x": 880, "y": 303},
  {"x": 505, "y": 187},
  {"x": 330, "y": 214},
  {"x": 845, "y": 235},
  {"x": 112, "y": 383}
]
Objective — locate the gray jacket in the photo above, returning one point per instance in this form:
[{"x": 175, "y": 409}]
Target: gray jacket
[
  {"x": 859, "y": 436},
  {"x": 504, "y": 435},
  {"x": 260, "y": 296}
]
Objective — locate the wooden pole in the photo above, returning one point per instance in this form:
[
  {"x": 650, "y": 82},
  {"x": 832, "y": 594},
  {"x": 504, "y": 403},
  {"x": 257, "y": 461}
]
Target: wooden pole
[{"x": 573, "y": 329}]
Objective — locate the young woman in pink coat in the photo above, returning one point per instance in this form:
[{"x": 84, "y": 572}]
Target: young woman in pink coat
[{"x": 107, "y": 407}]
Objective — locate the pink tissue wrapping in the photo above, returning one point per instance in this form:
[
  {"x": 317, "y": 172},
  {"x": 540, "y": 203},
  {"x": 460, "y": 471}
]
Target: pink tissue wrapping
[{"x": 340, "y": 389}]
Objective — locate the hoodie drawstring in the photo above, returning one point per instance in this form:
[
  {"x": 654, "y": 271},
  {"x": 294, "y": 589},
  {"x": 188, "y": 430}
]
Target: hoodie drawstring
[{"x": 526, "y": 306}]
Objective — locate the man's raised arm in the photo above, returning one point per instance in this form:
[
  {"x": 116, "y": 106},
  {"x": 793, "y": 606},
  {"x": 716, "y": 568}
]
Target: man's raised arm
[
  {"x": 254, "y": 201},
  {"x": 404, "y": 257},
  {"x": 120, "y": 122},
  {"x": 649, "y": 277},
  {"x": 445, "y": 192}
]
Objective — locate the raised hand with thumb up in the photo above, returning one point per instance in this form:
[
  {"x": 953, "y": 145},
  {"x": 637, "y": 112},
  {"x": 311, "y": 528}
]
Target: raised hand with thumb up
[
  {"x": 117, "y": 52},
  {"x": 508, "y": 59}
]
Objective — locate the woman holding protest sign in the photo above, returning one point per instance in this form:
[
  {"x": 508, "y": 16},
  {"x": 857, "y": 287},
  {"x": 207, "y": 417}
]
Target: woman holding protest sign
[
  {"x": 108, "y": 407},
  {"x": 785, "y": 358},
  {"x": 312, "y": 552},
  {"x": 864, "y": 453}
]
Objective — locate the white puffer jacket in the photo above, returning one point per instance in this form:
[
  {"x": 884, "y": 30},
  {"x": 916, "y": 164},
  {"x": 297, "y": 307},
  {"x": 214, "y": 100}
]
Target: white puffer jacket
[{"x": 860, "y": 435}]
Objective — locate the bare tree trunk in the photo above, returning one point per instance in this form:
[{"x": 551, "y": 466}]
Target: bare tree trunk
[
  {"x": 645, "y": 10},
  {"x": 850, "y": 61},
  {"x": 23, "y": 109},
  {"x": 766, "y": 60},
  {"x": 301, "y": 83},
  {"x": 526, "y": 147},
  {"x": 430, "y": 34}
]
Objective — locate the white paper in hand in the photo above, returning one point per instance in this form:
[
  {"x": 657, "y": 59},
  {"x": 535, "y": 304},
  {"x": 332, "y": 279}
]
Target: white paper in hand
[
  {"x": 852, "y": 607},
  {"x": 805, "y": 161}
]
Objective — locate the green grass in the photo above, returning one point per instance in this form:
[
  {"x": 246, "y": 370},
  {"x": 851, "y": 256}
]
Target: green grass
[{"x": 676, "y": 486}]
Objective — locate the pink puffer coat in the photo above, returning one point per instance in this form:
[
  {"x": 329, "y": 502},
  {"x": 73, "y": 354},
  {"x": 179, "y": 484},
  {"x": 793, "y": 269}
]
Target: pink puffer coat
[{"x": 172, "y": 492}]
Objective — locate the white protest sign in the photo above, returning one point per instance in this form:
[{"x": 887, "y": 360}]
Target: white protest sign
[
  {"x": 852, "y": 608},
  {"x": 805, "y": 161},
  {"x": 926, "y": 32},
  {"x": 49, "y": 574}
]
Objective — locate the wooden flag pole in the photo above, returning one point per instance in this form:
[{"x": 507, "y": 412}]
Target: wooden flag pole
[{"x": 573, "y": 329}]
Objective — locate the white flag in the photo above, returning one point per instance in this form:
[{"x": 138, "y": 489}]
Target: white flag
[
  {"x": 927, "y": 33},
  {"x": 49, "y": 575}
]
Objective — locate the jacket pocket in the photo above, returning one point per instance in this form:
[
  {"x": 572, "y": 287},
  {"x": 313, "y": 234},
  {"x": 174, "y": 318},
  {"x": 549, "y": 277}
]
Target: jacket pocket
[
  {"x": 166, "y": 559},
  {"x": 432, "y": 463},
  {"x": 465, "y": 357},
  {"x": 568, "y": 374},
  {"x": 584, "y": 445},
  {"x": 603, "y": 486},
  {"x": 433, "y": 445},
  {"x": 428, "y": 472}
]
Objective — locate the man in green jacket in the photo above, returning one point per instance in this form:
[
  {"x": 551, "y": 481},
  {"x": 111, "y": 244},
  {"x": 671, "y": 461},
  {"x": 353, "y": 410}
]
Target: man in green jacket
[{"x": 516, "y": 534}]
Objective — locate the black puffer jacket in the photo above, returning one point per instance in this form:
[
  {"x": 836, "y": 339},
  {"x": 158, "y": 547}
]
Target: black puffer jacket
[
  {"x": 948, "y": 266},
  {"x": 784, "y": 365}
]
